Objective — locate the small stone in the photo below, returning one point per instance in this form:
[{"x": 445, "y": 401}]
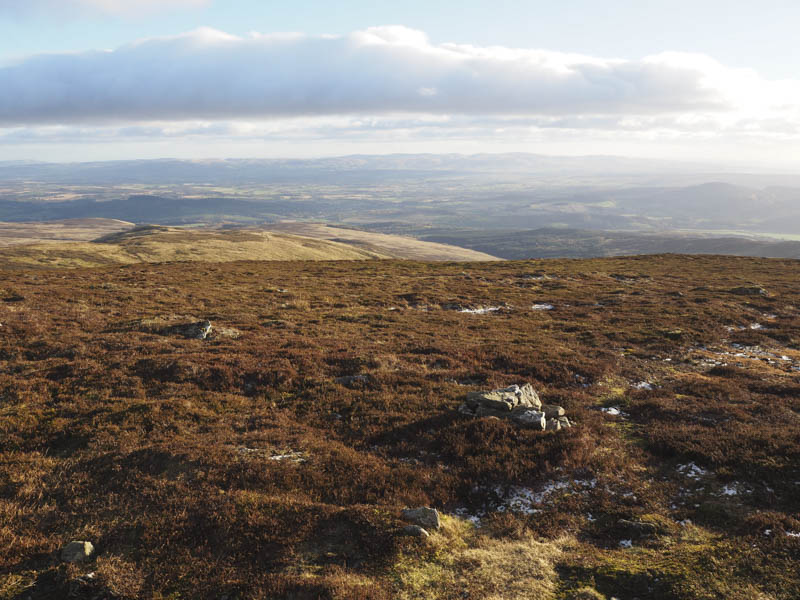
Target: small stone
[
  {"x": 553, "y": 425},
  {"x": 532, "y": 418},
  {"x": 415, "y": 531},
  {"x": 77, "y": 551},
  {"x": 564, "y": 422},
  {"x": 423, "y": 516}
]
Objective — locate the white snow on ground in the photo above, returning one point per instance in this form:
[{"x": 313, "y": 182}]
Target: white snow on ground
[
  {"x": 542, "y": 307},
  {"x": 692, "y": 471},
  {"x": 611, "y": 410},
  {"x": 643, "y": 385},
  {"x": 525, "y": 500},
  {"x": 756, "y": 326},
  {"x": 626, "y": 544},
  {"x": 735, "y": 350},
  {"x": 729, "y": 489},
  {"x": 292, "y": 456},
  {"x": 794, "y": 534},
  {"x": 480, "y": 311}
]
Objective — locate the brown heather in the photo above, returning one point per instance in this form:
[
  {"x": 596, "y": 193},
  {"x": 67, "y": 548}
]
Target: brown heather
[{"x": 164, "y": 451}]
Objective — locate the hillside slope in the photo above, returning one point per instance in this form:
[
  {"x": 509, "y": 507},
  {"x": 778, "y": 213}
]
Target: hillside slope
[
  {"x": 396, "y": 246},
  {"x": 272, "y": 459},
  {"x": 155, "y": 243}
]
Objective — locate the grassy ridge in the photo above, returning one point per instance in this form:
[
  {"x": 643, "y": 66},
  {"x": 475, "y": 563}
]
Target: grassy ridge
[
  {"x": 165, "y": 244},
  {"x": 239, "y": 466}
]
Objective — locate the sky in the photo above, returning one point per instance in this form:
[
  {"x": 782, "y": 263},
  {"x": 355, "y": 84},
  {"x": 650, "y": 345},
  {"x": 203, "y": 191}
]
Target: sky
[{"x": 707, "y": 80}]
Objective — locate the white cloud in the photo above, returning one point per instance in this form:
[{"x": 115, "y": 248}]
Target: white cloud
[{"x": 389, "y": 85}]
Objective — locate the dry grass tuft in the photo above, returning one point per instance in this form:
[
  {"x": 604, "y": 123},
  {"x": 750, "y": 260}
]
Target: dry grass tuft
[{"x": 460, "y": 562}]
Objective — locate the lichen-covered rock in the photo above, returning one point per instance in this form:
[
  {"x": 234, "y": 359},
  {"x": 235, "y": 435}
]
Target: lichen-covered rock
[
  {"x": 423, "y": 516},
  {"x": 505, "y": 399},
  {"x": 496, "y": 399},
  {"x": 564, "y": 422},
  {"x": 529, "y": 397},
  {"x": 77, "y": 551}
]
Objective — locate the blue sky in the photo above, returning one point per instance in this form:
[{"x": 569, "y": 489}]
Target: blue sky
[{"x": 709, "y": 78}]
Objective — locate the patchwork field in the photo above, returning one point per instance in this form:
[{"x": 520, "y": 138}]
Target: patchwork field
[{"x": 273, "y": 458}]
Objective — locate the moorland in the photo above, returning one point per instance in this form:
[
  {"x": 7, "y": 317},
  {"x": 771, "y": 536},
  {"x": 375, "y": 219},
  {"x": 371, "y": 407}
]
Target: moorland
[{"x": 273, "y": 458}]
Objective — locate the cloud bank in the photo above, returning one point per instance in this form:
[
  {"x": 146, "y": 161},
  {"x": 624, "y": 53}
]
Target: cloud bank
[
  {"x": 207, "y": 74},
  {"x": 386, "y": 86}
]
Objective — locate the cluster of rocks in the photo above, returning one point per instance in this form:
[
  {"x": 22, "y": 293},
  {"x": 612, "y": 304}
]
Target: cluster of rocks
[{"x": 521, "y": 405}]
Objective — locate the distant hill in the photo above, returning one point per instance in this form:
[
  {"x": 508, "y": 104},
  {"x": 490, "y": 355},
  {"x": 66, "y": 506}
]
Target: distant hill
[
  {"x": 154, "y": 243},
  {"x": 121, "y": 243},
  {"x": 556, "y": 242}
]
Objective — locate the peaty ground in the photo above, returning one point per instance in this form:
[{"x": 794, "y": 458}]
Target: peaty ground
[{"x": 238, "y": 466}]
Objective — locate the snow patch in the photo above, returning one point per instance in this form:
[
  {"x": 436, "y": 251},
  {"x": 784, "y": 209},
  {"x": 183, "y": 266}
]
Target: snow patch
[
  {"x": 481, "y": 311},
  {"x": 542, "y": 307},
  {"x": 692, "y": 471}
]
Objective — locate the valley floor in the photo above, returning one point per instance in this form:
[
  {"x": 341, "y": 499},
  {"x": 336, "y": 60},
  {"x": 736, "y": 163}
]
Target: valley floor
[{"x": 272, "y": 459}]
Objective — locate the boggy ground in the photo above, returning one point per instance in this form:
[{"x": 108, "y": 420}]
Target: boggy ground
[{"x": 238, "y": 467}]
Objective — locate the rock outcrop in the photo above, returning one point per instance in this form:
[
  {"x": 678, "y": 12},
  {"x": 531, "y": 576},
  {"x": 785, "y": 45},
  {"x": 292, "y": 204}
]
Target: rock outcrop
[{"x": 521, "y": 405}]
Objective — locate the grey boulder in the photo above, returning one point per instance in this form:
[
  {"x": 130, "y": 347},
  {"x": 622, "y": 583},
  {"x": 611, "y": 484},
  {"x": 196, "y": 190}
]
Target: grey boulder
[
  {"x": 423, "y": 516},
  {"x": 505, "y": 399}
]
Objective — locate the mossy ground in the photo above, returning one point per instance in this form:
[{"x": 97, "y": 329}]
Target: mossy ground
[{"x": 240, "y": 467}]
